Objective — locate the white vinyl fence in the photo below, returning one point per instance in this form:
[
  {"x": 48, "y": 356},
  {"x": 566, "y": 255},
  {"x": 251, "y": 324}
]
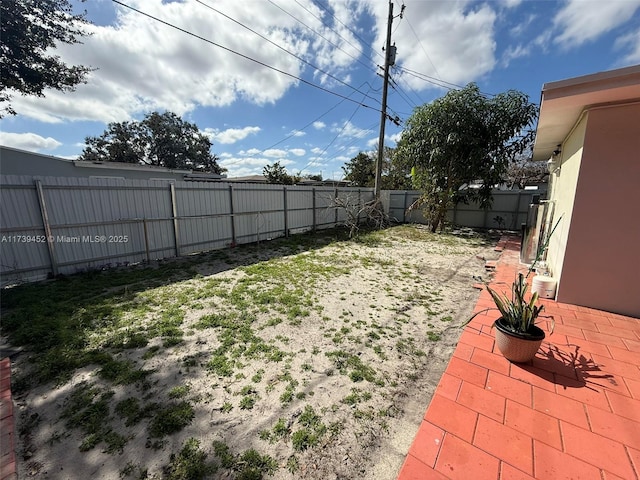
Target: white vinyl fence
[
  {"x": 64, "y": 225},
  {"x": 509, "y": 210}
]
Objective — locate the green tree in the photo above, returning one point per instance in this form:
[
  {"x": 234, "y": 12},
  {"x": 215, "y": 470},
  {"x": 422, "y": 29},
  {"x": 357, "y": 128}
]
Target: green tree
[
  {"x": 276, "y": 173},
  {"x": 461, "y": 138},
  {"x": 163, "y": 140},
  {"x": 395, "y": 175},
  {"x": 30, "y": 30},
  {"x": 360, "y": 170}
]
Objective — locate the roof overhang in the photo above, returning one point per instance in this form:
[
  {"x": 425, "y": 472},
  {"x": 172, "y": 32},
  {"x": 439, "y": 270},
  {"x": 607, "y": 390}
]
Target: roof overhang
[{"x": 563, "y": 103}]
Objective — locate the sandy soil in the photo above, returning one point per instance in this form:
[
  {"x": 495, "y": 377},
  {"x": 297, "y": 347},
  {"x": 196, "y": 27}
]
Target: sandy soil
[{"x": 397, "y": 307}]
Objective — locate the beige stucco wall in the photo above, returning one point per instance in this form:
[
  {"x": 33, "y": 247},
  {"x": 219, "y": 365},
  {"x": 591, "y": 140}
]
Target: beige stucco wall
[
  {"x": 563, "y": 189},
  {"x": 601, "y": 260}
]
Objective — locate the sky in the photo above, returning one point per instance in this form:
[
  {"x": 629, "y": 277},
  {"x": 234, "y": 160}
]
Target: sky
[{"x": 300, "y": 81}]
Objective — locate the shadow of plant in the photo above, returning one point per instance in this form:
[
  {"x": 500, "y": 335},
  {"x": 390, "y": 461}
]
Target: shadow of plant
[{"x": 570, "y": 367}]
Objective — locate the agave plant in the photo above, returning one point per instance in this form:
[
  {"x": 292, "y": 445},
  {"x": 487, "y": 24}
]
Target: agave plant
[{"x": 517, "y": 313}]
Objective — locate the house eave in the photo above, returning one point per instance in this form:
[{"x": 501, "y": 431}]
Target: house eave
[{"x": 563, "y": 103}]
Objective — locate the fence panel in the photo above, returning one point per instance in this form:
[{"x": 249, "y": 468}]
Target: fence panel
[
  {"x": 53, "y": 225},
  {"x": 509, "y": 210}
]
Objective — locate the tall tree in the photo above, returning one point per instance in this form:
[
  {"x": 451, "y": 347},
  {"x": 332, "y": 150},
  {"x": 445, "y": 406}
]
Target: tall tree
[
  {"x": 461, "y": 138},
  {"x": 276, "y": 173},
  {"x": 163, "y": 140},
  {"x": 30, "y": 29},
  {"x": 360, "y": 170}
]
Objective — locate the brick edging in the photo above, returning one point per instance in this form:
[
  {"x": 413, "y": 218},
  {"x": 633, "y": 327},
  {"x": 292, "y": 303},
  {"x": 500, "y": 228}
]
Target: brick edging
[{"x": 7, "y": 424}]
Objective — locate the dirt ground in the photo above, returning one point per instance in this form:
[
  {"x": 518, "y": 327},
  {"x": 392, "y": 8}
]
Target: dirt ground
[{"x": 328, "y": 380}]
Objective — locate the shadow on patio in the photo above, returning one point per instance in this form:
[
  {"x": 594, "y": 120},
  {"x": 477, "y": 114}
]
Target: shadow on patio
[{"x": 571, "y": 413}]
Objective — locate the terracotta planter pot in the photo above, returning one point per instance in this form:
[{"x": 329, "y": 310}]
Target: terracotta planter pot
[{"x": 518, "y": 347}]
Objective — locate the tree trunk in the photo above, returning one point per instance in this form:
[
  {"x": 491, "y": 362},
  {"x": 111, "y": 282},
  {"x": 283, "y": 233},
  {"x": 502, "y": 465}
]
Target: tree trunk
[{"x": 442, "y": 211}]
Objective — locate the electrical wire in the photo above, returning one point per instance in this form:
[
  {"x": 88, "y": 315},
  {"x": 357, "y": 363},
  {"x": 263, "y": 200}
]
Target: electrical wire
[
  {"x": 301, "y": 129},
  {"x": 246, "y": 57},
  {"x": 282, "y": 48},
  {"x": 355, "y": 34},
  {"x": 423, "y": 49},
  {"x": 368, "y": 67},
  {"x": 336, "y": 136}
]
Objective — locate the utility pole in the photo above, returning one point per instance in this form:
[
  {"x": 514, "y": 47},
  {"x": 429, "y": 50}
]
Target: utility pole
[{"x": 389, "y": 60}]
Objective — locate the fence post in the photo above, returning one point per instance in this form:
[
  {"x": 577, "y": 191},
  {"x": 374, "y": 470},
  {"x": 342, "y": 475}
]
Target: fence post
[
  {"x": 174, "y": 210},
  {"x": 335, "y": 204},
  {"x": 146, "y": 239},
  {"x": 286, "y": 220},
  {"x": 359, "y": 207},
  {"x": 404, "y": 206},
  {"x": 47, "y": 228},
  {"x": 233, "y": 217},
  {"x": 455, "y": 213},
  {"x": 486, "y": 214},
  {"x": 313, "y": 204},
  {"x": 516, "y": 211}
]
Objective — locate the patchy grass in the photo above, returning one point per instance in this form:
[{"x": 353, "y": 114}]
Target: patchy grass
[{"x": 321, "y": 339}]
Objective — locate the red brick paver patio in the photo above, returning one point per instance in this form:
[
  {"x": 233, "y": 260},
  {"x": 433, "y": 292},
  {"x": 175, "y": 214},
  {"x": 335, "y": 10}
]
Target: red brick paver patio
[{"x": 572, "y": 413}]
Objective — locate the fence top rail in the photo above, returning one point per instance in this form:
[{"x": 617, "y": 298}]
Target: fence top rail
[{"x": 22, "y": 181}]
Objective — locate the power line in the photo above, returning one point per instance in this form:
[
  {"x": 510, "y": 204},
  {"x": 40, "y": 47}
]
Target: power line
[
  {"x": 436, "y": 81},
  {"x": 355, "y": 34},
  {"x": 300, "y": 129},
  {"x": 281, "y": 47},
  {"x": 313, "y": 30},
  {"x": 336, "y": 136},
  {"x": 423, "y": 49},
  {"x": 246, "y": 57},
  {"x": 337, "y": 33}
]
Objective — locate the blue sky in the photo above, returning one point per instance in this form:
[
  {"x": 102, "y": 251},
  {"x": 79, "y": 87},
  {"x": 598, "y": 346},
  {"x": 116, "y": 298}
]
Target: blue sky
[{"x": 256, "y": 115}]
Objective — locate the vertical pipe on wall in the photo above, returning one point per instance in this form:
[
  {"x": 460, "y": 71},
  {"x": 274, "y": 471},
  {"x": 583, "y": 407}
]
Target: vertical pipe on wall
[
  {"x": 174, "y": 211},
  {"x": 47, "y": 228}
]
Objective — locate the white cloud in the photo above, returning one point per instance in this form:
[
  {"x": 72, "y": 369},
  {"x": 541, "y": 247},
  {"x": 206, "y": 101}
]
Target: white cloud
[
  {"x": 296, "y": 133},
  {"x": 456, "y": 39},
  {"x": 511, "y": 3},
  {"x": 143, "y": 65},
  {"x": 238, "y": 166},
  {"x": 373, "y": 143},
  {"x": 28, "y": 141},
  {"x": 580, "y": 22},
  {"x": 631, "y": 43},
  {"x": 298, "y": 152},
  {"x": 522, "y": 25},
  {"x": 319, "y": 125},
  {"x": 230, "y": 135},
  {"x": 317, "y": 150},
  {"x": 275, "y": 153},
  {"x": 349, "y": 130},
  {"x": 395, "y": 137},
  {"x": 251, "y": 151},
  {"x": 511, "y": 53}
]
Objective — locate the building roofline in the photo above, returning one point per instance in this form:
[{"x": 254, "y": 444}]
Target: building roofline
[{"x": 563, "y": 103}]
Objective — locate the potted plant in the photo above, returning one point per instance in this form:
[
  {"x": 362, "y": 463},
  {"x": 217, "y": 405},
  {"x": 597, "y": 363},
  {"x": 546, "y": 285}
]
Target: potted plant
[{"x": 517, "y": 336}]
